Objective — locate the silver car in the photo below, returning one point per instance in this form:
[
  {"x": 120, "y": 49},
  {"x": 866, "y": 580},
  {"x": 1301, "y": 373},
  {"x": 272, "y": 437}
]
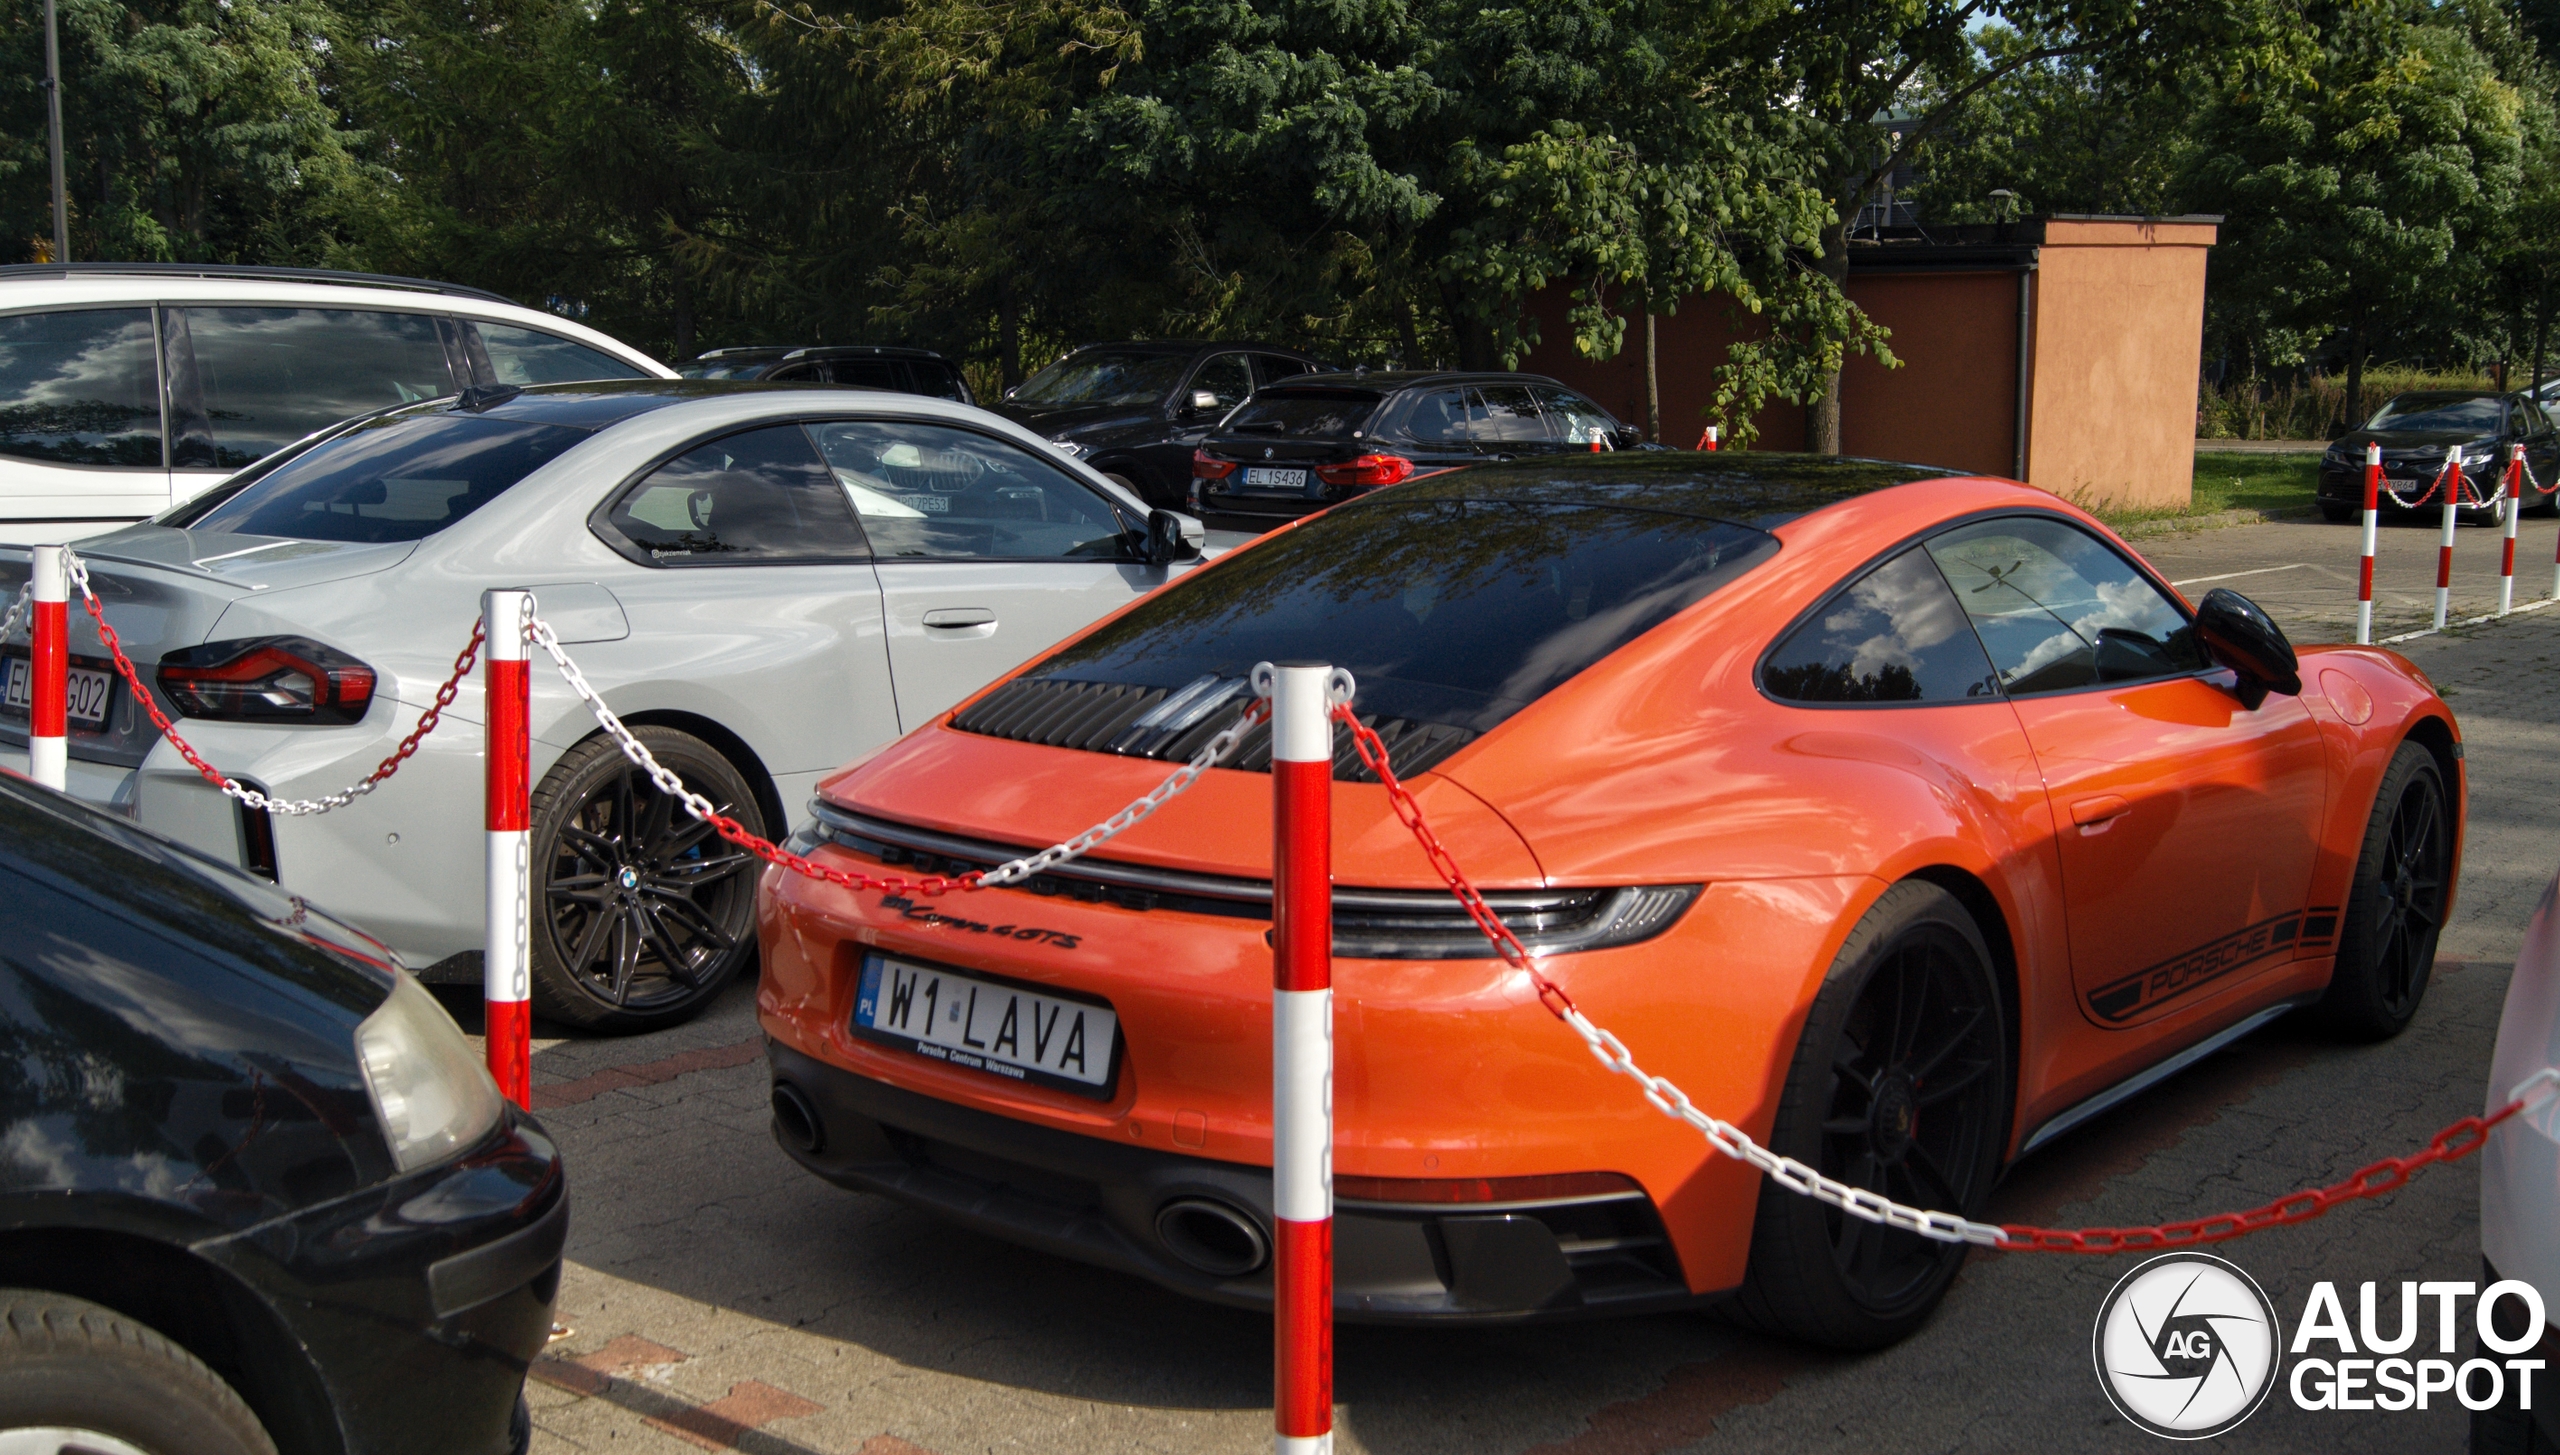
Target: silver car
[{"x": 766, "y": 582}]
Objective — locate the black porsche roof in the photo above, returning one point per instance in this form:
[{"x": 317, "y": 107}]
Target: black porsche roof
[{"x": 1758, "y": 488}]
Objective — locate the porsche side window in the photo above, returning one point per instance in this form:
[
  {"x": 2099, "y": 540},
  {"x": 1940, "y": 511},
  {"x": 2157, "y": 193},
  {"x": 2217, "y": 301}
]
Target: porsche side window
[
  {"x": 1896, "y": 636},
  {"x": 2057, "y": 610},
  {"x": 754, "y": 499},
  {"x": 934, "y": 492}
]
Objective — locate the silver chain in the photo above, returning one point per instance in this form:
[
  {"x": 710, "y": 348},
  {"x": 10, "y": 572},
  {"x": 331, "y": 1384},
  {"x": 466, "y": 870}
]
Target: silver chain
[
  {"x": 1011, "y": 872},
  {"x": 17, "y": 610}
]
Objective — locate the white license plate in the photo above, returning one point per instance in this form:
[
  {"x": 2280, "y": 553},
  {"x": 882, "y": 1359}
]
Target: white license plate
[
  {"x": 2401, "y": 482},
  {"x": 1000, "y": 1029},
  {"x": 1260, "y": 477},
  {"x": 88, "y": 702}
]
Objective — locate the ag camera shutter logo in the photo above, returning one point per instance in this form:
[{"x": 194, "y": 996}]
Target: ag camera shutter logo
[{"x": 2186, "y": 1346}]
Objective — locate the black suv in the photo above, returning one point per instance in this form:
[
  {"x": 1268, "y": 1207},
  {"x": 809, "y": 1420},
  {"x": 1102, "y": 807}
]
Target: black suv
[
  {"x": 262, "y": 1198},
  {"x": 1301, "y": 446},
  {"x": 865, "y": 366},
  {"x": 1135, "y": 411},
  {"x": 2416, "y": 428}
]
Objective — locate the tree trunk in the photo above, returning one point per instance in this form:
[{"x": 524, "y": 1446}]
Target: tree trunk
[
  {"x": 2541, "y": 327},
  {"x": 684, "y": 311},
  {"x": 1473, "y": 336},
  {"x": 1822, "y": 420},
  {"x": 2355, "y": 377},
  {"x": 1410, "y": 336},
  {"x": 1008, "y": 336},
  {"x": 1652, "y": 382}
]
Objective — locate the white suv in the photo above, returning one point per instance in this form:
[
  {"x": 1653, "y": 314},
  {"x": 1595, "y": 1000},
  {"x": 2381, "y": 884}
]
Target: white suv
[{"x": 127, "y": 387}]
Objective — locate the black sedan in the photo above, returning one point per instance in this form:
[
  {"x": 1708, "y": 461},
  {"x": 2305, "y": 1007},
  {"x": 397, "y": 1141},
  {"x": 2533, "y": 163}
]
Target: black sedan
[
  {"x": 1135, "y": 411},
  {"x": 1297, "y": 448},
  {"x": 2416, "y": 428},
  {"x": 258, "y": 1193},
  {"x": 862, "y": 366}
]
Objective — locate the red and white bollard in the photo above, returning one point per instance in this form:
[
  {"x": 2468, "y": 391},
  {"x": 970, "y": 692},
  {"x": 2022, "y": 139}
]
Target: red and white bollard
[
  {"x": 507, "y": 963},
  {"x": 2515, "y": 508},
  {"x": 1711, "y": 439},
  {"x": 1302, "y": 1058},
  {"x": 2452, "y": 478},
  {"x": 2372, "y": 515},
  {"x": 49, "y": 666}
]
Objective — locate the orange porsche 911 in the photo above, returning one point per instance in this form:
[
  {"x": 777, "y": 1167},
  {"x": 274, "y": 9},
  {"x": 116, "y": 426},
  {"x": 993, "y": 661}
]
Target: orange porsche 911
[{"x": 1904, "y": 819}]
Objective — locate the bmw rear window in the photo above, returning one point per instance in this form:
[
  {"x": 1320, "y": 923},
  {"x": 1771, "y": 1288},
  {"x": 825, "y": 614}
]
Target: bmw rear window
[
  {"x": 1325, "y": 414},
  {"x": 1456, "y": 611},
  {"x": 400, "y": 478}
]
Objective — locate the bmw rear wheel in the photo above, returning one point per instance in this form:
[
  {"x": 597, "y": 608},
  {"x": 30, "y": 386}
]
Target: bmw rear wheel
[
  {"x": 642, "y": 914},
  {"x": 1900, "y": 1085},
  {"x": 2395, "y": 904}
]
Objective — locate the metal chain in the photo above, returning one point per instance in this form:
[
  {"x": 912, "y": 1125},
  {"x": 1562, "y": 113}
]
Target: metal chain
[
  {"x": 2454, "y": 470},
  {"x": 233, "y": 787},
  {"x": 17, "y": 610},
  {"x": 1010, "y": 872},
  {"x": 2459, "y": 1140}
]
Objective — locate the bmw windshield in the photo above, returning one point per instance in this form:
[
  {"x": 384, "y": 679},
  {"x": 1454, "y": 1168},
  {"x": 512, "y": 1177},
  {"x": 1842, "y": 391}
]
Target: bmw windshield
[{"x": 1104, "y": 376}]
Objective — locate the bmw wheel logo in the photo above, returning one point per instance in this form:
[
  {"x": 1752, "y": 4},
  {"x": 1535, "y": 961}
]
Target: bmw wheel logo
[{"x": 2186, "y": 1346}]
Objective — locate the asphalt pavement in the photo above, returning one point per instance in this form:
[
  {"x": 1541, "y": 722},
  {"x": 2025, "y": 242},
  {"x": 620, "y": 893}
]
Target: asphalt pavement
[{"x": 717, "y": 1297}]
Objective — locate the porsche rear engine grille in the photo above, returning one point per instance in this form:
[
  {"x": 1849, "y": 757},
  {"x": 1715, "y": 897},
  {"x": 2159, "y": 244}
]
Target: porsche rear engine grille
[
  {"x": 1369, "y": 924},
  {"x": 1154, "y": 722}
]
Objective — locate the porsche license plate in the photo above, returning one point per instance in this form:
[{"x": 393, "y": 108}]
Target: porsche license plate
[
  {"x": 985, "y": 1025},
  {"x": 88, "y": 702},
  {"x": 1263, "y": 477}
]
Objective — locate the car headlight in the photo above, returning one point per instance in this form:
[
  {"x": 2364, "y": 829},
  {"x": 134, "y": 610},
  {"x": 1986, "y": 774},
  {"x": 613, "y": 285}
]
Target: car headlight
[
  {"x": 1069, "y": 448},
  {"x": 2478, "y": 456},
  {"x": 2339, "y": 455},
  {"x": 432, "y": 1094}
]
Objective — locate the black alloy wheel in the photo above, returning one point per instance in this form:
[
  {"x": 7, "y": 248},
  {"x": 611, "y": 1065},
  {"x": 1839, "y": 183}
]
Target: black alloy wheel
[
  {"x": 1900, "y": 1085},
  {"x": 643, "y": 913},
  {"x": 2396, "y": 903}
]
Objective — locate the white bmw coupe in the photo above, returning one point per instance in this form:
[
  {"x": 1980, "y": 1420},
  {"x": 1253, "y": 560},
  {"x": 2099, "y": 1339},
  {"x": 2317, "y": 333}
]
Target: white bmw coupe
[{"x": 765, "y": 582}]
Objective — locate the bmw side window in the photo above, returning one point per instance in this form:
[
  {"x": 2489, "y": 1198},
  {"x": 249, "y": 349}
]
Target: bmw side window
[
  {"x": 1580, "y": 421},
  {"x": 753, "y": 499},
  {"x": 1273, "y": 368},
  {"x": 2057, "y": 610},
  {"x": 530, "y": 356},
  {"x": 930, "y": 491},
  {"x": 1439, "y": 417},
  {"x": 80, "y": 388},
  {"x": 1228, "y": 376},
  {"x": 246, "y": 382},
  {"x": 1510, "y": 415},
  {"x": 1898, "y": 635}
]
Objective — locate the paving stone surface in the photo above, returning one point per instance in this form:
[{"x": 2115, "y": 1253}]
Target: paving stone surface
[{"x": 718, "y": 1298}]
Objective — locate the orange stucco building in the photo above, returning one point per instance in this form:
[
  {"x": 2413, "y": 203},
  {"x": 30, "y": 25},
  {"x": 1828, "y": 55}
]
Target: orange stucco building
[{"x": 2062, "y": 351}]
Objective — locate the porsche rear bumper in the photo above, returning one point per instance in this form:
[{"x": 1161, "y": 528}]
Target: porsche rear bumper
[{"x": 1105, "y": 1203}]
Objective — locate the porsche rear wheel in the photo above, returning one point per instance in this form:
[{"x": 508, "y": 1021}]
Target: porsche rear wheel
[
  {"x": 641, "y": 913},
  {"x": 2395, "y": 906},
  {"x": 1900, "y": 1084}
]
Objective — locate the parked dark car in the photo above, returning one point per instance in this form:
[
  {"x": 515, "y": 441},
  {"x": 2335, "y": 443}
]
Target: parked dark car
[
  {"x": 1299, "y": 447},
  {"x": 1135, "y": 411},
  {"x": 865, "y": 366},
  {"x": 257, "y": 1185},
  {"x": 2415, "y": 428}
]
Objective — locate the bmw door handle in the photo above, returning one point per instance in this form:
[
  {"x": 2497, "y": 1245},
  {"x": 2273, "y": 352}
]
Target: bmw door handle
[{"x": 957, "y": 618}]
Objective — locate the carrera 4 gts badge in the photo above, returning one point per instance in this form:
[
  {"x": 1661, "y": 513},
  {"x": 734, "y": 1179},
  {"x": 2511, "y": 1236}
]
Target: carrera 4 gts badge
[{"x": 921, "y": 914}]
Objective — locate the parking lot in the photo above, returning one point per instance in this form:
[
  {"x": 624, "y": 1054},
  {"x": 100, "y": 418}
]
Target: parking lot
[{"x": 718, "y": 1297}]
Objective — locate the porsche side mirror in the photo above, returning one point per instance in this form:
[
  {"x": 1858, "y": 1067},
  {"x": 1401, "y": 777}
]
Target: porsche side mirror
[
  {"x": 1173, "y": 536},
  {"x": 2236, "y": 634}
]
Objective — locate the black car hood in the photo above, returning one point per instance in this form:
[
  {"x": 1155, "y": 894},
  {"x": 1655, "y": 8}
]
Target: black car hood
[
  {"x": 2412, "y": 439},
  {"x": 1068, "y": 420}
]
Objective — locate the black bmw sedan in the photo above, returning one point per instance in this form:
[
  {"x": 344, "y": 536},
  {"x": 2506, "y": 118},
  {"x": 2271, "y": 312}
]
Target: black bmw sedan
[
  {"x": 1298, "y": 447},
  {"x": 257, "y": 1193},
  {"x": 1135, "y": 411},
  {"x": 2415, "y": 429}
]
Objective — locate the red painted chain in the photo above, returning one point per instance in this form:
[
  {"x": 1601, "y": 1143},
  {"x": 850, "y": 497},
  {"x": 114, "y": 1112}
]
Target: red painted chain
[
  {"x": 2466, "y": 496},
  {"x": 427, "y": 720},
  {"x": 2454, "y": 1142}
]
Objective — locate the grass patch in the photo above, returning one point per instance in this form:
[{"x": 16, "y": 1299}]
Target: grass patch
[{"x": 2225, "y": 482}]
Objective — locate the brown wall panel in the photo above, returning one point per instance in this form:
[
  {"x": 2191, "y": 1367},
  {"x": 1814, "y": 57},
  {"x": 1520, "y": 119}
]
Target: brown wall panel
[{"x": 1954, "y": 400}]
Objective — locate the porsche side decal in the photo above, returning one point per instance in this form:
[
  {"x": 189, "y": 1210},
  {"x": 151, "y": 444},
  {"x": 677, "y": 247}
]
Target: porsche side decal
[{"x": 2119, "y": 1001}]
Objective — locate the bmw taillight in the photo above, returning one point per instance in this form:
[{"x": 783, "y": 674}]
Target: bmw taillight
[
  {"x": 1367, "y": 471},
  {"x": 1206, "y": 467},
  {"x": 267, "y": 679}
]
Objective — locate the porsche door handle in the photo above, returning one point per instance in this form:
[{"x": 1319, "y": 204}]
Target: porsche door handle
[
  {"x": 2096, "y": 815},
  {"x": 960, "y": 616}
]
